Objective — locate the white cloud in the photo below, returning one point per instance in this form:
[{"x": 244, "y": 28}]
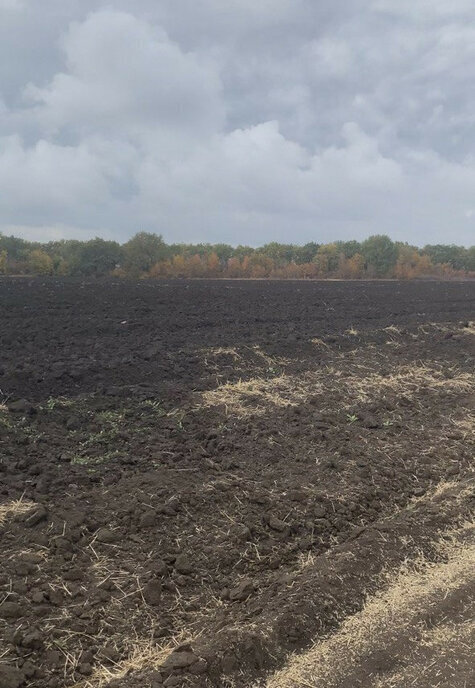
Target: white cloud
[
  {"x": 124, "y": 73},
  {"x": 424, "y": 9},
  {"x": 53, "y": 232},
  {"x": 285, "y": 119},
  {"x": 47, "y": 173},
  {"x": 11, "y": 4}
]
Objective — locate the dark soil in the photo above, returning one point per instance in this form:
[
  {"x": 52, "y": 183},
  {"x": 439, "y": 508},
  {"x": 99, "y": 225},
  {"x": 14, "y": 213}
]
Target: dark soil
[{"x": 219, "y": 468}]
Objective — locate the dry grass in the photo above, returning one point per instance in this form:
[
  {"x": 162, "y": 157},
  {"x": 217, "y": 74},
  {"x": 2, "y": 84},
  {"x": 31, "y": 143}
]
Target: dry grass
[
  {"x": 221, "y": 351},
  {"x": 390, "y": 621},
  {"x": 453, "y": 490},
  {"x": 257, "y": 395},
  {"x": 319, "y": 342},
  {"x": 358, "y": 380},
  {"x": 470, "y": 329},
  {"x": 444, "y": 660},
  {"x": 143, "y": 654},
  {"x": 466, "y": 424},
  {"x": 14, "y": 508},
  {"x": 306, "y": 560},
  {"x": 410, "y": 379},
  {"x": 359, "y": 385}
]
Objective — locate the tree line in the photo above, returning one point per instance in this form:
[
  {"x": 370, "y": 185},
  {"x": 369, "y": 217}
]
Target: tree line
[{"x": 147, "y": 255}]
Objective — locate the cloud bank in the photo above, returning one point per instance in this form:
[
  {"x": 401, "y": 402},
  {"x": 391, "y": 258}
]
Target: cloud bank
[{"x": 243, "y": 122}]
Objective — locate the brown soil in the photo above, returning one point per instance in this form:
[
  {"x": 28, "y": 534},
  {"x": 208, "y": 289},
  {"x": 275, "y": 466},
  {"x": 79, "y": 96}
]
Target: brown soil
[{"x": 229, "y": 484}]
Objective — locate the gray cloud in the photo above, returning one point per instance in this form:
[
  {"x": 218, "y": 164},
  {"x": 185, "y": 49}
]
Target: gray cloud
[{"x": 238, "y": 121}]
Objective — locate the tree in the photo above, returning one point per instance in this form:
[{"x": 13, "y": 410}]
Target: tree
[
  {"x": 163, "y": 268},
  {"x": 234, "y": 268},
  {"x": 348, "y": 248},
  {"x": 406, "y": 262},
  {"x": 411, "y": 263},
  {"x": 380, "y": 255},
  {"x": 40, "y": 263},
  {"x": 194, "y": 266},
  {"x": 178, "y": 266},
  {"x": 242, "y": 251},
  {"x": 306, "y": 253},
  {"x": 3, "y": 262},
  {"x": 98, "y": 257},
  {"x": 223, "y": 251},
  {"x": 143, "y": 251},
  {"x": 61, "y": 267},
  {"x": 457, "y": 257},
  {"x": 212, "y": 265},
  {"x": 146, "y": 254},
  {"x": 321, "y": 263},
  {"x": 281, "y": 254},
  {"x": 17, "y": 249},
  {"x": 259, "y": 265},
  {"x": 471, "y": 259},
  {"x": 355, "y": 266},
  {"x": 327, "y": 259}
]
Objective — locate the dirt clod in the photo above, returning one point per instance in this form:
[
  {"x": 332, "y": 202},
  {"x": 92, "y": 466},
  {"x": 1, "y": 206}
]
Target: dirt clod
[
  {"x": 36, "y": 516},
  {"x": 180, "y": 660},
  {"x": 22, "y": 406},
  {"x": 153, "y": 593},
  {"x": 242, "y": 591},
  {"x": 107, "y": 536},
  {"x": 10, "y": 610},
  {"x": 10, "y": 677},
  {"x": 183, "y": 565},
  {"x": 275, "y": 523}
]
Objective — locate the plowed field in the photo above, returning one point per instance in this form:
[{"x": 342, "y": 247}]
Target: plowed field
[{"x": 217, "y": 483}]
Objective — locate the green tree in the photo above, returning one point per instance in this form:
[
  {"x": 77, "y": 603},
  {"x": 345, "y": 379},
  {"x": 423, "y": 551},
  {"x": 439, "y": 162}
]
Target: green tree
[
  {"x": 223, "y": 251},
  {"x": 327, "y": 259},
  {"x": 242, "y": 251},
  {"x": 40, "y": 263},
  {"x": 471, "y": 259},
  {"x": 348, "y": 248},
  {"x": 143, "y": 251},
  {"x": 17, "y": 249},
  {"x": 281, "y": 254},
  {"x": 457, "y": 257},
  {"x": 380, "y": 255},
  {"x": 306, "y": 253},
  {"x": 3, "y": 262},
  {"x": 98, "y": 257}
]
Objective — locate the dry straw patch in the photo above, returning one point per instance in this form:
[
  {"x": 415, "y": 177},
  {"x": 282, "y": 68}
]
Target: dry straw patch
[
  {"x": 143, "y": 654},
  {"x": 14, "y": 508},
  {"x": 359, "y": 385},
  {"x": 221, "y": 351},
  {"x": 467, "y": 424},
  {"x": 390, "y": 619},
  {"x": 258, "y": 394},
  {"x": 449, "y": 646}
]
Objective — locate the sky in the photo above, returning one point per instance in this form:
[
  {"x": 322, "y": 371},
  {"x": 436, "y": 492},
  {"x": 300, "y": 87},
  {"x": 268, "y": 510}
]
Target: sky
[{"x": 238, "y": 121}]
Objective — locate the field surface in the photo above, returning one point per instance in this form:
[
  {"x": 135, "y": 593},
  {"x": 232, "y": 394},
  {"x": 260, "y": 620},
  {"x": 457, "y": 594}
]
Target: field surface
[{"x": 243, "y": 484}]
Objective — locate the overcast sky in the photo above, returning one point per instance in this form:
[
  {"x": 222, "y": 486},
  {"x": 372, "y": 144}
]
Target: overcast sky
[{"x": 243, "y": 121}]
